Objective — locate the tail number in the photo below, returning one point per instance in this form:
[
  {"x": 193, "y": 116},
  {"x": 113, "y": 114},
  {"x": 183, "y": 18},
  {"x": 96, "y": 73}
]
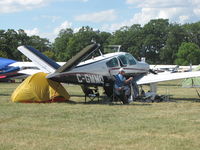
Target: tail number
[{"x": 89, "y": 78}]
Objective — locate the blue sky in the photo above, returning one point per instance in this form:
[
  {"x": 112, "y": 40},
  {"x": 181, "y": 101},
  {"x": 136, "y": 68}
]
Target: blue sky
[{"x": 46, "y": 17}]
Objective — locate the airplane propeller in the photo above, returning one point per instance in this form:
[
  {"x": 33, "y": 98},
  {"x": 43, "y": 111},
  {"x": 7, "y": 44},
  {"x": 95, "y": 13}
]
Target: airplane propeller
[{"x": 152, "y": 71}]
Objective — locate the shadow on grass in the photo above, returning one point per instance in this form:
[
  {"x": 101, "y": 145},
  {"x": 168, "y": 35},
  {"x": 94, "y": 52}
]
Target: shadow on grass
[
  {"x": 104, "y": 100},
  {"x": 185, "y": 99},
  {"x": 4, "y": 94}
]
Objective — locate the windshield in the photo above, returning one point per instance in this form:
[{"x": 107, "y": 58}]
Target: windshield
[{"x": 123, "y": 60}]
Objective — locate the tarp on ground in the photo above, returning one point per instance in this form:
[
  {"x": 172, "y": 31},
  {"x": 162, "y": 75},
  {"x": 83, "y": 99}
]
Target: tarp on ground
[
  {"x": 38, "y": 89},
  {"x": 191, "y": 82}
]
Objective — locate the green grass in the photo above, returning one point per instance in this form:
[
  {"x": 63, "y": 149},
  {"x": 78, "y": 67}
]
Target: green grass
[{"x": 173, "y": 125}]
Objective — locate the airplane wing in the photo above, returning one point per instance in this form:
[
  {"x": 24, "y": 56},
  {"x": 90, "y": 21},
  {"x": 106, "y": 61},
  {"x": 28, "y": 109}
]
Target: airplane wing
[
  {"x": 41, "y": 61},
  {"x": 77, "y": 58},
  {"x": 160, "y": 77}
]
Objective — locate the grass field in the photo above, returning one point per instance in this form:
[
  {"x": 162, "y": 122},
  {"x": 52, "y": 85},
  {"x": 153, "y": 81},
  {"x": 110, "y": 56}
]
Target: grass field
[{"x": 173, "y": 125}]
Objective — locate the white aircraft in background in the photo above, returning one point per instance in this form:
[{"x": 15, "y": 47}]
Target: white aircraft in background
[
  {"x": 18, "y": 70},
  {"x": 87, "y": 70},
  {"x": 28, "y": 68}
]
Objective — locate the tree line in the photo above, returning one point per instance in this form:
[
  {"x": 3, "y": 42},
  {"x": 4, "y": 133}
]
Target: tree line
[{"x": 159, "y": 41}]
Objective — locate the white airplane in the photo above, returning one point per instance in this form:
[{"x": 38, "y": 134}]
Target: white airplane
[
  {"x": 28, "y": 68},
  {"x": 98, "y": 70}
]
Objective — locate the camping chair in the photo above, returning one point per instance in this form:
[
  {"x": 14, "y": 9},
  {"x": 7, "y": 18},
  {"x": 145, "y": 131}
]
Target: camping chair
[
  {"x": 91, "y": 92},
  {"x": 118, "y": 95}
]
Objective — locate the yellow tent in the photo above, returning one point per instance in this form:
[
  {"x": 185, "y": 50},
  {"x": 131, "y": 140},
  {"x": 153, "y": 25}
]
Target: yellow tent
[{"x": 38, "y": 89}]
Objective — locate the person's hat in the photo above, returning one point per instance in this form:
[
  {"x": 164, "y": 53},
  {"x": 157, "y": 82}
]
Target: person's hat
[{"x": 121, "y": 69}]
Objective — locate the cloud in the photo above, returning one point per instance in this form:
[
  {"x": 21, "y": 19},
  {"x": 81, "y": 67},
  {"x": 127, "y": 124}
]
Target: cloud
[
  {"x": 97, "y": 17},
  {"x": 84, "y": 0},
  {"x": 51, "y": 35},
  {"x": 10, "y": 6},
  {"x": 133, "y": 1},
  {"x": 181, "y": 11},
  {"x": 64, "y": 25},
  {"x": 52, "y": 18},
  {"x": 34, "y": 31}
]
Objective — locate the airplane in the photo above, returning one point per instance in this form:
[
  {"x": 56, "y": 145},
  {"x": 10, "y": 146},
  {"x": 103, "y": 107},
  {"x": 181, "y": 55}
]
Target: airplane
[
  {"x": 95, "y": 71},
  {"x": 6, "y": 70},
  {"x": 172, "y": 68},
  {"x": 11, "y": 69},
  {"x": 85, "y": 68}
]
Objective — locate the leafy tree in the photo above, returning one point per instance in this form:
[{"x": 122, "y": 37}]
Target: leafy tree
[
  {"x": 49, "y": 54},
  {"x": 155, "y": 36},
  {"x": 69, "y": 43},
  {"x": 130, "y": 39},
  {"x": 188, "y": 53},
  {"x": 61, "y": 43},
  {"x": 42, "y": 44},
  {"x": 23, "y": 38},
  {"x": 11, "y": 44},
  {"x": 104, "y": 38},
  {"x": 193, "y": 32},
  {"x": 3, "y": 54},
  {"x": 175, "y": 37}
]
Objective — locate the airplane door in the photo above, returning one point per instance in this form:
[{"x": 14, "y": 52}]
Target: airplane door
[{"x": 113, "y": 66}]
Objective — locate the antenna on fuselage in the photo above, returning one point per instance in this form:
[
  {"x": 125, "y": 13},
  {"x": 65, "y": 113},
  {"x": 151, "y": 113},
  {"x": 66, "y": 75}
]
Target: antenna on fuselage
[
  {"x": 100, "y": 52},
  {"x": 94, "y": 41}
]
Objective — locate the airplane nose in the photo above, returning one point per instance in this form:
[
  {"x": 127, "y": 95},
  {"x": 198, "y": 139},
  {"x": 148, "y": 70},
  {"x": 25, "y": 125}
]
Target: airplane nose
[{"x": 146, "y": 66}]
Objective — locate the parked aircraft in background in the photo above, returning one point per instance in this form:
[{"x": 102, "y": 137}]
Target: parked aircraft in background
[
  {"x": 86, "y": 68},
  {"x": 6, "y": 70},
  {"x": 11, "y": 69},
  {"x": 172, "y": 68}
]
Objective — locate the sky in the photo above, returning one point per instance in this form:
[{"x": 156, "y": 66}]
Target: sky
[{"x": 47, "y": 17}]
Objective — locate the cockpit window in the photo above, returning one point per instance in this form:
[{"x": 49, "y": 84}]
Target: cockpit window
[
  {"x": 130, "y": 59},
  {"x": 112, "y": 63},
  {"x": 123, "y": 60}
]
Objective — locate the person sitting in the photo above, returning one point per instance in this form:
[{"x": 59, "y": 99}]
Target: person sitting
[{"x": 122, "y": 86}]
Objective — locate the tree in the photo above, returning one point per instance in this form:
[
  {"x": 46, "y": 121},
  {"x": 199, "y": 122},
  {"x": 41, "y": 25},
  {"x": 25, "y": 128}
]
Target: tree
[
  {"x": 155, "y": 36},
  {"x": 188, "y": 53},
  {"x": 175, "y": 37},
  {"x": 68, "y": 43},
  {"x": 193, "y": 32},
  {"x": 42, "y": 44},
  {"x": 10, "y": 44},
  {"x": 130, "y": 39},
  {"x": 81, "y": 39},
  {"x": 61, "y": 43}
]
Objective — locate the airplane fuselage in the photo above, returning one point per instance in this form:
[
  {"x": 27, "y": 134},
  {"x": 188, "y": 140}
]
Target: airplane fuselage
[{"x": 99, "y": 70}]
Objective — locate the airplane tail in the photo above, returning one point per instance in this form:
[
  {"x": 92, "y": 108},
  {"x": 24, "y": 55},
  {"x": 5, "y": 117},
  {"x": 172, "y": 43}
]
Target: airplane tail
[
  {"x": 47, "y": 65},
  {"x": 75, "y": 60},
  {"x": 44, "y": 63}
]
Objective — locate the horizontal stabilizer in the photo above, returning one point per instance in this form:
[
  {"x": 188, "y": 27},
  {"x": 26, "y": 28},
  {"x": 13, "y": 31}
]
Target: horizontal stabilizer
[{"x": 44, "y": 63}]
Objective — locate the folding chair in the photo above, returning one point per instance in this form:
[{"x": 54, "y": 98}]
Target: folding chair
[
  {"x": 120, "y": 95},
  {"x": 91, "y": 93}
]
